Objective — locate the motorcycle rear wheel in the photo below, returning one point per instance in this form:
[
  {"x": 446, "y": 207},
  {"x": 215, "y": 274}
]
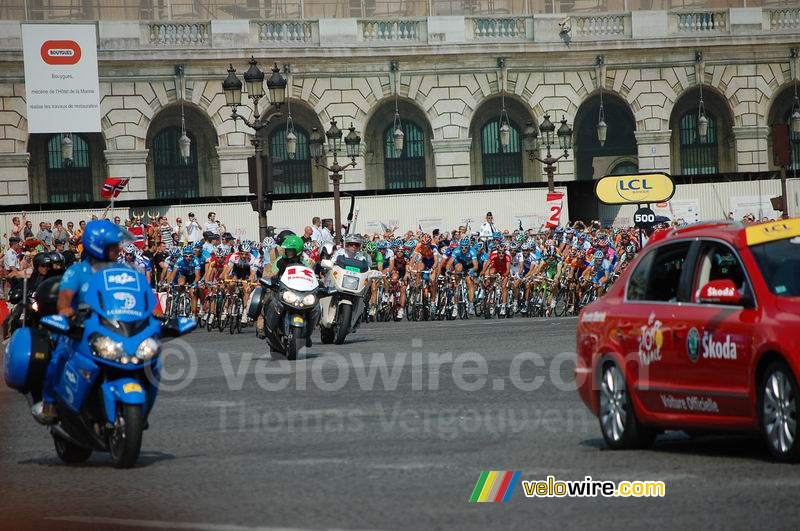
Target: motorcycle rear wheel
[
  {"x": 125, "y": 441},
  {"x": 70, "y": 453}
]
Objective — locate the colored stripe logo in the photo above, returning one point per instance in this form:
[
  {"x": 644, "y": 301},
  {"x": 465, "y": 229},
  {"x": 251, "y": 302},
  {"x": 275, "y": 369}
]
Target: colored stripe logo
[{"x": 494, "y": 486}]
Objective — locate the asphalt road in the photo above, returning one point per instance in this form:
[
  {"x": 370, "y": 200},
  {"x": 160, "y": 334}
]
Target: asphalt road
[{"x": 231, "y": 452}]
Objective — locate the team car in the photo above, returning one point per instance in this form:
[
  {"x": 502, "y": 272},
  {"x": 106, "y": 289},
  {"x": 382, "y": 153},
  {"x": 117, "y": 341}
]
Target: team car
[{"x": 701, "y": 334}]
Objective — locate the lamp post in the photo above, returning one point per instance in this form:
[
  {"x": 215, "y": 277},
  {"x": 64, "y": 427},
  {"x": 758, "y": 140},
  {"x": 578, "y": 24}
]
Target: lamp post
[
  {"x": 232, "y": 87},
  {"x": 530, "y": 139},
  {"x": 317, "y": 146}
]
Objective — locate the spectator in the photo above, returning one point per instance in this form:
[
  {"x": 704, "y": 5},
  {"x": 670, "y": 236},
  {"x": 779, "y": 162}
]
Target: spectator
[
  {"x": 59, "y": 232},
  {"x": 194, "y": 232},
  {"x": 45, "y": 234},
  {"x": 71, "y": 254},
  {"x": 308, "y": 235},
  {"x": 18, "y": 226},
  {"x": 316, "y": 229},
  {"x": 117, "y": 220},
  {"x": 70, "y": 230},
  {"x": 165, "y": 231},
  {"x": 327, "y": 231},
  {"x": 212, "y": 225},
  {"x": 27, "y": 232},
  {"x": 11, "y": 264},
  {"x": 488, "y": 227}
]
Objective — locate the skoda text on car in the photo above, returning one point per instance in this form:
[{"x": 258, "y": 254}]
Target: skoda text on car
[{"x": 700, "y": 334}]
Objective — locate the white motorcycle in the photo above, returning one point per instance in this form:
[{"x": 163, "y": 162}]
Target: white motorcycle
[{"x": 348, "y": 281}]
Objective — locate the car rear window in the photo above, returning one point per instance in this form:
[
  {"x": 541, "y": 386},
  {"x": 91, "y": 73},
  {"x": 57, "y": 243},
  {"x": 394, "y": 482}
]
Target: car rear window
[{"x": 779, "y": 262}]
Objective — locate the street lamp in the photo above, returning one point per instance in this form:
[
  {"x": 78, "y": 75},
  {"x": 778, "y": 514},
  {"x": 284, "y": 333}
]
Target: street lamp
[
  {"x": 795, "y": 119},
  {"x": 549, "y": 134},
  {"x": 232, "y": 87},
  {"x": 352, "y": 145}
]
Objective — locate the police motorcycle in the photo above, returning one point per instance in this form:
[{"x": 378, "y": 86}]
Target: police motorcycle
[
  {"x": 290, "y": 308},
  {"x": 36, "y": 296},
  {"x": 348, "y": 281},
  {"x": 107, "y": 382}
]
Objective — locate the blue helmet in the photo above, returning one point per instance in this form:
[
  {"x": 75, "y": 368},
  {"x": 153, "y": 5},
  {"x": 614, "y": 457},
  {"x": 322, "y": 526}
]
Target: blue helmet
[
  {"x": 187, "y": 251},
  {"x": 100, "y": 234},
  {"x": 198, "y": 245},
  {"x": 497, "y": 235},
  {"x": 464, "y": 242},
  {"x": 598, "y": 255},
  {"x": 175, "y": 252}
]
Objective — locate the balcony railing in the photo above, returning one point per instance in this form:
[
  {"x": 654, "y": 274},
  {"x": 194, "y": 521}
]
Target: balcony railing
[
  {"x": 702, "y": 21},
  {"x": 179, "y": 34},
  {"x": 784, "y": 19},
  {"x": 389, "y": 31},
  {"x": 287, "y": 32},
  {"x": 601, "y": 26},
  {"x": 498, "y": 28}
]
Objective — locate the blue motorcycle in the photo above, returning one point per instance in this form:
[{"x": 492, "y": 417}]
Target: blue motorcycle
[{"x": 106, "y": 381}]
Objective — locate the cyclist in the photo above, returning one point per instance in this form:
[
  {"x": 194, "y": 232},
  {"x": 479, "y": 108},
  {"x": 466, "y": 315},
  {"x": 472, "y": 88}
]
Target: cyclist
[
  {"x": 376, "y": 264},
  {"x": 132, "y": 257},
  {"x": 598, "y": 272},
  {"x": 401, "y": 269},
  {"x": 464, "y": 259},
  {"x": 498, "y": 264},
  {"x": 426, "y": 258},
  {"x": 239, "y": 266},
  {"x": 186, "y": 271}
]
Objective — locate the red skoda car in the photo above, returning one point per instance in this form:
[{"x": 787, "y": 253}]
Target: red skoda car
[{"x": 702, "y": 333}]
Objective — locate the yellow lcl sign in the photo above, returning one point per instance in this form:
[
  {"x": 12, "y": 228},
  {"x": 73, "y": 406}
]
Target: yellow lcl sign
[{"x": 634, "y": 189}]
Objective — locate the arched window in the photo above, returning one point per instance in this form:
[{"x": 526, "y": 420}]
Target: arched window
[
  {"x": 500, "y": 166},
  {"x": 174, "y": 177},
  {"x": 69, "y": 182},
  {"x": 406, "y": 169},
  {"x": 296, "y": 176},
  {"x": 625, "y": 167},
  {"x": 699, "y": 156}
]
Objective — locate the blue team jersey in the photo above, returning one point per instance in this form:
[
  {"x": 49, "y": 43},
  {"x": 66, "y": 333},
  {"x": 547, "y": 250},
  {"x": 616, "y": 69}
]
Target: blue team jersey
[
  {"x": 76, "y": 279},
  {"x": 464, "y": 258},
  {"x": 185, "y": 269}
]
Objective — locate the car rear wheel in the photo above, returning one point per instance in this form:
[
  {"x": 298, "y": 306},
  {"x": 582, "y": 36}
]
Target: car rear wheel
[
  {"x": 778, "y": 411},
  {"x": 621, "y": 429}
]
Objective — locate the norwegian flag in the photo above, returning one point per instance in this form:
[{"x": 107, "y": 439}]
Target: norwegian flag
[
  {"x": 113, "y": 187},
  {"x": 138, "y": 235}
]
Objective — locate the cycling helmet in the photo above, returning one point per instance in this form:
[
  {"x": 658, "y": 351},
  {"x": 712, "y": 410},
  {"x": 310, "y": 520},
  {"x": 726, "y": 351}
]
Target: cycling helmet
[
  {"x": 464, "y": 242},
  {"x": 380, "y": 245},
  {"x": 525, "y": 247},
  {"x": 100, "y": 234},
  {"x": 454, "y": 244},
  {"x": 479, "y": 245},
  {"x": 174, "y": 252},
  {"x": 397, "y": 243},
  {"x": 598, "y": 255},
  {"x": 129, "y": 249},
  {"x": 269, "y": 243},
  {"x": 425, "y": 239},
  {"x": 187, "y": 251},
  {"x": 309, "y": 246},
  {"x": 410, "y": 245},
  {"x": 198, "y": 245},
  {"x": 514, "y": 247},
  {"x": 370, "y": 247},
  {"x": 630, "y": 249},
  {"x": 497, "y": 235},
  {"x": 244, "y": 247}
]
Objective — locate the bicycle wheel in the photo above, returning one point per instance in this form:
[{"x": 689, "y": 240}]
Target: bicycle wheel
[
  {"x": 224, "y": 310},
  {"x": 560, "y": 308}
]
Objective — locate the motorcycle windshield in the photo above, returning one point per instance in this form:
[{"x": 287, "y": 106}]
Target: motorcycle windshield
[
  {"x": 299, "y": 278},
  {"x": 120, "y": 293}
]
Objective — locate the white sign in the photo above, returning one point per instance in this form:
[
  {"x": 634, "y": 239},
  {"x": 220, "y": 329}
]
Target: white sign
[
  {"x": 686, "y": 209},
  {"x": 529, "y": 221},
  {"x": 61, "y": 81},
  {"x": 428, "y": 224},
  {"x": 381, "y": 226},
  {"x": 752, "y": 204},
  {"x": 555, "y": 201}
]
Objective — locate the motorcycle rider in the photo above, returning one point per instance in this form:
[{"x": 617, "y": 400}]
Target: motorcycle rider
[
  {"x": 292, "y": 247},
  {"x": 101, "y": 241}
]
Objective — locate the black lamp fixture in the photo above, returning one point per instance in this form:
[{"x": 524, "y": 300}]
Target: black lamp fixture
[{"x": 548, "y": 138}]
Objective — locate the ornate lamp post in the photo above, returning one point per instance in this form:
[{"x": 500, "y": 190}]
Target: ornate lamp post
[
  {"x": 530, "y": 139},
  {"x": 352, "y": 143},
  {"x": 232, "y": 87}
]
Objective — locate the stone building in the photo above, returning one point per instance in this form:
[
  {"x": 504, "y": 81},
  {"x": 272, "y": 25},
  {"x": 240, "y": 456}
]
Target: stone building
[{"x": 447, "y": 68}]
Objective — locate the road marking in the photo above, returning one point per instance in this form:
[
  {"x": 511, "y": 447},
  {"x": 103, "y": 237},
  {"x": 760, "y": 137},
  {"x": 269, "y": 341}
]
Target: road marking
[{"x": 160, "y": 524}]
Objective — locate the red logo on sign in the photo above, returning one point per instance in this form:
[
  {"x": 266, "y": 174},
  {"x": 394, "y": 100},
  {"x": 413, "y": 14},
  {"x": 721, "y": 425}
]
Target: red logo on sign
[
  {"x": 61, "y": 52},
  {"x": 306, "y": 272}
]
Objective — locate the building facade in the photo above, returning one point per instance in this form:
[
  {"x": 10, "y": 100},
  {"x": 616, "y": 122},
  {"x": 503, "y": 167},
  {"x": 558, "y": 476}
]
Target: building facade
[{"x": 448, "y": 73}]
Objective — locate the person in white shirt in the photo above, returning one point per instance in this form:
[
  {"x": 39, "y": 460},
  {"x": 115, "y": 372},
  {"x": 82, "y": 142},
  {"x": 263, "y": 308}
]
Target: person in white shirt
[
  {"x": 212, "y": 225},
  {"x": 316, "y": 229},
  {"x": 193, "y": 231},
  {"x": 326, "y": 234},
  {"x": 488, "y": 228}
]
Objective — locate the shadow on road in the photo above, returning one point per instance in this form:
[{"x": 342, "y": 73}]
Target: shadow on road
[
  {"x": 100, "y": 459},
  {"x": 738, "y": 446}
]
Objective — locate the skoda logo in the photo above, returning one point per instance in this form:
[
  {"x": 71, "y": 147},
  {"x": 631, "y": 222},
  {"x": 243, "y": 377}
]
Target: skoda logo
[{"x": 693, "y": 345}]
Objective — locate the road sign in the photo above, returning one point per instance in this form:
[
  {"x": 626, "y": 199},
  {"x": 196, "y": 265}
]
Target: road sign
[{"x": 644, "y": 218}]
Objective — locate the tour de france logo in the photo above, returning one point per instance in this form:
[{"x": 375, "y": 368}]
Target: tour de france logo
[
  {"x": 651, "y": 341},
  {"x": 693, "y": 345}
]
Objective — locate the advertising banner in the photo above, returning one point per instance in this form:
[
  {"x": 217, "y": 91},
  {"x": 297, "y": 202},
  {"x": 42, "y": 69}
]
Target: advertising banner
[
  {"x": 61, "y": 80},
  {"x": 555, "y": 202},
  {"x": 634, "y": 189}
]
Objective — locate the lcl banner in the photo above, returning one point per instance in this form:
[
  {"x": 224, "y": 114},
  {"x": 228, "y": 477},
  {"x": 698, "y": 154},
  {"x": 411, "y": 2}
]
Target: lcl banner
[{"x": 61, "y": 80}]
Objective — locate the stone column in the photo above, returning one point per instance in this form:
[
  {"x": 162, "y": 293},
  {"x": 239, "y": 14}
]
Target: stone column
[
  {"x": 14, "y": 189},
  {"x": 233, "y": 169},
  {"x": 654, "y": 150},
  {"x": 751, "y": 148},
  {"x": 133, "y": 165},
  {"x": 452, "y": 160}
]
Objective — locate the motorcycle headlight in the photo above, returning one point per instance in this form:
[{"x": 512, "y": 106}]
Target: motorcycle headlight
[
  {"x": 106, "y": 348},
  {"x": 147, "y": 349},
  {"x": 290, "y": 298},
  {"x": 350, "y": 282},
  {"x": 309, "y": 300}
]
